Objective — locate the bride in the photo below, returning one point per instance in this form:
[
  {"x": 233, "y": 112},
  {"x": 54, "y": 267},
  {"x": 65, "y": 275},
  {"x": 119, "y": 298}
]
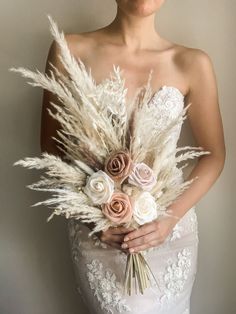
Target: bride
[{"x": 181, "y": 75}]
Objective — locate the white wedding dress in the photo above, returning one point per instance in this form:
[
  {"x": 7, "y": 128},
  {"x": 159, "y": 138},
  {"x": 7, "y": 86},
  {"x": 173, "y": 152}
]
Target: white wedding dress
[{"x": 99, "y": 268}]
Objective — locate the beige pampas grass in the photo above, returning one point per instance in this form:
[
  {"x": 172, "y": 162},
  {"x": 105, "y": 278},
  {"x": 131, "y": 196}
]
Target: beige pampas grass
[{"x": 96, "y": 121}]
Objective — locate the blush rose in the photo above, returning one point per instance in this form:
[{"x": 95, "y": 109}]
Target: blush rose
[
  {"x": 118, "y": 166},
  {"x": 142, "y": 176},
  {"x": 119, "y": 208}
]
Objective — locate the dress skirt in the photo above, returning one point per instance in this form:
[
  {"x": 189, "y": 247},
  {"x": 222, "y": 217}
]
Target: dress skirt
[{"x": 99, "y": 271}]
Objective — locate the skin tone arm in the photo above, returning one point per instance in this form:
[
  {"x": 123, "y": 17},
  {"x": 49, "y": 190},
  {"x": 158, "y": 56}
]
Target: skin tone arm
[
  {"x": 206, "y": 123},
  {"x": 49, "y": 125}
]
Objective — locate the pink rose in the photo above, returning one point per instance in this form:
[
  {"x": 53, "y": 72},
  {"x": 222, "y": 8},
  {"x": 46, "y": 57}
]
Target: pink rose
[
  {"x": 119, "y": 165},
  {"x": 142, "y": 176},
  {"x": 119, "y": 208}
]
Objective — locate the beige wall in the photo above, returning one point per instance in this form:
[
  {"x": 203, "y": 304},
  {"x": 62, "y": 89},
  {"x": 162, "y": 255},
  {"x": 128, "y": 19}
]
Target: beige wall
[{"x": 36, "y": 275}]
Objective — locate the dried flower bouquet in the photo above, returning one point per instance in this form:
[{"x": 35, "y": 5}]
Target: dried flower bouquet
[{"x": 105, "y": 178}]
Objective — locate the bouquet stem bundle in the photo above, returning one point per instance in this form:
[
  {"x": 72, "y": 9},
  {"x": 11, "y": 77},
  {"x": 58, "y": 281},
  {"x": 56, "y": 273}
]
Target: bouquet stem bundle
[{"x": 137, "y": 274}]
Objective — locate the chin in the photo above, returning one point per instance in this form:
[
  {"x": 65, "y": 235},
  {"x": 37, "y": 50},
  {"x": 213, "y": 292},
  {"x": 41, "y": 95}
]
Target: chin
[{"x": 140, "y": 7}]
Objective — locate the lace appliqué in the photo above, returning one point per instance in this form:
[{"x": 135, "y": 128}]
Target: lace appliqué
[
  {"x": 193, "y": 223},
  {"x": 176, "y": 232},
  {"x": 170, "y": 101},
  {"x": 74, "y": 235},
  {"x": 98, "y": 242},
  {"x": 189, "y": 224},
  {"x": 106, "y": 288},
  {"x": 176, "y": 275}
]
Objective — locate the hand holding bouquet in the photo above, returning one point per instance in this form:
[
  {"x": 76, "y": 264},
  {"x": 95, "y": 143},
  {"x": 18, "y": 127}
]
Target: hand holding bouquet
[{"x": 106, "y": 179}]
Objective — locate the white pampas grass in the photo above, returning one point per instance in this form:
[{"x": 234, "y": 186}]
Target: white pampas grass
[{"x": 96, "y": 121}]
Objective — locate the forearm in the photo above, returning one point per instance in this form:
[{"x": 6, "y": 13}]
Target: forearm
[{"x": 207, "y": 169}]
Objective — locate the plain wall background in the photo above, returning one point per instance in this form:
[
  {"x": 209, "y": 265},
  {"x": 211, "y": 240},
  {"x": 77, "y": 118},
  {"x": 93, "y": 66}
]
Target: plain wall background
[{"x": 36, "y": 274}]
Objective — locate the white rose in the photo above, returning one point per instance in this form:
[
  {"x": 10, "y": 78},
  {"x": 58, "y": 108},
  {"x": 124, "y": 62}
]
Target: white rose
[
  {"x": 145, "y": 208},
  {"x": 99, "y": 187}
]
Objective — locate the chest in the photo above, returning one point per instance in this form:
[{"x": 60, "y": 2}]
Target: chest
[{"x": 135, "y": 69}]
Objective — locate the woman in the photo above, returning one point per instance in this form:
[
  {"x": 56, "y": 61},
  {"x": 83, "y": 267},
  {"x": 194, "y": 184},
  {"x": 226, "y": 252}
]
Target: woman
[{"x": 181, "y": 75}]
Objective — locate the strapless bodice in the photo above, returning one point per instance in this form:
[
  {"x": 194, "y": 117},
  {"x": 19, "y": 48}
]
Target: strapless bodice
[{"x": 169, "y": 101}]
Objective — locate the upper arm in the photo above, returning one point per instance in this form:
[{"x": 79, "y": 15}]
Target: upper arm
[
  {"x": 49, "y": 125},
  {"x": 204, "y": 113}
]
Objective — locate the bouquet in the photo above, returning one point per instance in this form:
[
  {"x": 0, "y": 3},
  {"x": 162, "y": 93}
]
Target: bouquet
[{"x": 105, "y": 178}]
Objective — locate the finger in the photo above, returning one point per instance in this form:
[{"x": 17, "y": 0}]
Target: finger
[
  {"x": 115, "y": 238},
  {"x": 144, "y": 229},
  {"x": 114, "y": 244},
  {"x": 117, "y": 246},
  {"x": 140, "y": 240},
  {"x": 139, "y": 248},
  {"x": 120, "y": 230},
  {"x": 144, "y": 246}
]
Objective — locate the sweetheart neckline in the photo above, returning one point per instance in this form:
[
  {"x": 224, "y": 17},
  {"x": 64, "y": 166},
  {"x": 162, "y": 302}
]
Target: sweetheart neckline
[
  {"x": 160, "y": 89},
  {"x": 154, "y": 95}
]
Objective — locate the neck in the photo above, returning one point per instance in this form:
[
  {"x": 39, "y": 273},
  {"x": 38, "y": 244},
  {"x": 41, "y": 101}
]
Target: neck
[{"x": 134, "y": 32}]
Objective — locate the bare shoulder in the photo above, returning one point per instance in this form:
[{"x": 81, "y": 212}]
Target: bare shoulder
[
  {"x": 81, "y": 43},
  {"x": 78, "y": 45},
  {"x": 196, "y": 67},
  {"x": 78, "y": 41},
  {"x": 194, "y": 61}
]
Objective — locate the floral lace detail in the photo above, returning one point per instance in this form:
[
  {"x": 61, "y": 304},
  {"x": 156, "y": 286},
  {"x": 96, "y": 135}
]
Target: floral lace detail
[
  {"x": 78, "y": 289},
  {"x": 98, "y": 242},
  {"x": 186, "y": 225},
  {"x": 176, "y": 274},
  {"x": 189, "y": 224},
  {"x": 193, "y": 222},
  {"x": 176, "y": 232},
  {"x": 74, "y": 235},
  {"x": 169, "y": 100},
  {"x": 106, "y": 288},
  {"x": 186, "y": 311},
  {"x": 75, "y": 232}
]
